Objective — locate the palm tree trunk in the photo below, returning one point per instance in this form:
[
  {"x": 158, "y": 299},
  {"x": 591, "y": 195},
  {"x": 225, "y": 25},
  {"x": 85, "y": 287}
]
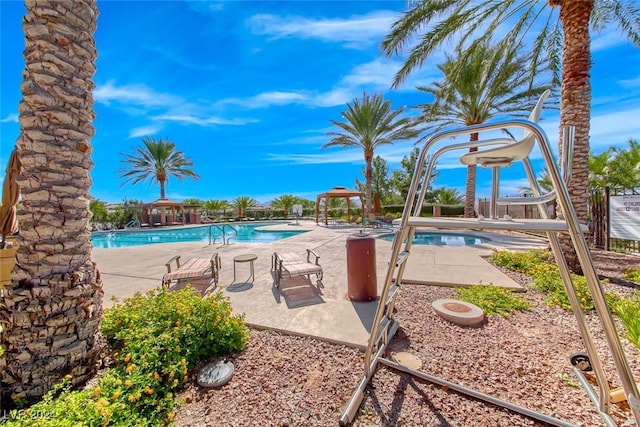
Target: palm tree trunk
[
  {"x": 368, "y": 158},
  {"x": 52, "y": 309},
  {"x": 162, "y": 179},
  {"x": 470, "y": 189},
  {"x": 575, "y": 107}
]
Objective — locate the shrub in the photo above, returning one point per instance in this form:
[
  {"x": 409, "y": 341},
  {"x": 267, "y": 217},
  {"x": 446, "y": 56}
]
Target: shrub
[
  {"x": 632, "y": 274},
  {"x": 627, "y": 310},
  {"x": 155, "y": 338},
  {"x": 493, "y": 300},
  {"x": 546, "y": 278},
  {"x": 522, "y": 262}
]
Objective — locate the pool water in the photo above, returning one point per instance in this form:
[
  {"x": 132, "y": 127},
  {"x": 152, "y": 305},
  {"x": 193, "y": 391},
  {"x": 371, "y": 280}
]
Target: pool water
[
  {"x": 443, "y": 239},
  {"x": 245, "y": 233}
]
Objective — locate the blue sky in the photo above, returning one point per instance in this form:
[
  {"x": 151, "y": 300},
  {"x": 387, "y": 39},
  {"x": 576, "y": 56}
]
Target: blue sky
[{"x": 247, "y": 90}]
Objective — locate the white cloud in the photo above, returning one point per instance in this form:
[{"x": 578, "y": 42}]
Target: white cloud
[
  {"x": 377, "y": 73},
  {"x": 141, "y": 100},
  {"x": 136, "y": 94},
  {"x": 11, "y": 118},
  {"x": 346, "y": 156},
  {"x": 144, "y": 131},
  {"x": 356, "y": 32},
  {"x": 209, "y": 7},
  {"x": 277, "y": 98},
  {"x": 373, "y": 76},
  {"x": 607, "y": 39},
  {"x": 631, "y": 83},
  {"x": 614, "y": 128},
  {"x": 203, "y": 121}
]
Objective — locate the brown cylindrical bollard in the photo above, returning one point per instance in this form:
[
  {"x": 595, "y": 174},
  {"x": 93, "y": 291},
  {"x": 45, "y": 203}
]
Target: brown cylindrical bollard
[{"x": 362, "y": 280}]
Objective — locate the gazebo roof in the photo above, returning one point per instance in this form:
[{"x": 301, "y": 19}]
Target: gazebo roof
[
  {"x": 341, "y": 192},
  {"x": 164, "y": 202}
]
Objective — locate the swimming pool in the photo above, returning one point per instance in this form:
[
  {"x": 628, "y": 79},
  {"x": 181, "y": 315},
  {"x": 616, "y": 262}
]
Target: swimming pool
[
  {"x": 443, "y": 239},
  {"x": 245, "y": 233}
]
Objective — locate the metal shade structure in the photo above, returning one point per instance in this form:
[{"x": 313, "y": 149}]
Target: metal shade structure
[
  {"x": 336, "y": 192},
  {"x": 10, "y": 196}
]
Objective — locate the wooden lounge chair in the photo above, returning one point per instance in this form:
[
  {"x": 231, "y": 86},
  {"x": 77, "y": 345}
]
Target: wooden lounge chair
[
  {"x": 291, "y": 265},
  {"x": 195, "y": 268}
]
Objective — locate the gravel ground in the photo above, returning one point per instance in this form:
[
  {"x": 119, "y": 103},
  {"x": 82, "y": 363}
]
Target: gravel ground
[{"x": 283, "y": 380}]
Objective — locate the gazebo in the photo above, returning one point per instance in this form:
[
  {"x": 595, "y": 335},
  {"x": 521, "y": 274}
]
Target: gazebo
[
  {"x": 336, "y": 192},
  {"x": 162, "y": 212}
]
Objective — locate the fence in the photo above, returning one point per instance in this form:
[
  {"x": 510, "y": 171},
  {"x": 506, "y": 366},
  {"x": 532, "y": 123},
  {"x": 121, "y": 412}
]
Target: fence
[
  {"x": 514, "y": 211},
  {"x": 615, "y": 216},
  {"x": 617, "y": 229}
]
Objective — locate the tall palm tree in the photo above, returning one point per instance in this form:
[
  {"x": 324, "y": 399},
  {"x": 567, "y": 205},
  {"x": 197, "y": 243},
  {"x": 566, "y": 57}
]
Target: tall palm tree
[
  {"x": 216, "y": 205},
  {"x": 242, "y": 203},
  {"x": 561, "y": 26},
  {"x": 380, "y": 184},
  {"x": 448, "y": 196},
  {"x": 52, "y": 309},
  {"x": 625, "y": 170},
  {"x": 155, "y": 162},
  {"x": 285, "y": 202},
  {"x": 483, "y": 82},
  {"x": 369, "y": 123}
]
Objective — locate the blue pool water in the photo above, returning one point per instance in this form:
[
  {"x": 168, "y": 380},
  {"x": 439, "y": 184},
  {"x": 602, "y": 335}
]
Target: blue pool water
[
  {"x": 245, "y": 233},
  {"x": 443, "y": 239}
]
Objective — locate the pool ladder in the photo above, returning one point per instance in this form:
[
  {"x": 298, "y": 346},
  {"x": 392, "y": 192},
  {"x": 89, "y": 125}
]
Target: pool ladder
[
  {"x": 223, "y": 233},
  {"x": 385, "y": 326}
]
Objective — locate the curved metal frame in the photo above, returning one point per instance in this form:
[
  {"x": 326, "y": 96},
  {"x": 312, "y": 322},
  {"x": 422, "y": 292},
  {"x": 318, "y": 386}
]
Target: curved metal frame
[{"x": 384, "y": 327}]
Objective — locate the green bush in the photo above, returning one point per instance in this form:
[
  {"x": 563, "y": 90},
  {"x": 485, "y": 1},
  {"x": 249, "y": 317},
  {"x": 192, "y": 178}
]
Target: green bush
[
  {"x": 155, "y": 339},
  {"x": 522, "y": 262},
  {"x": 627, "y": 310},
  {"x": 632, "y": 274},
  {"x": 493, "y": 300},
  {"x": 546, "y": 278}
]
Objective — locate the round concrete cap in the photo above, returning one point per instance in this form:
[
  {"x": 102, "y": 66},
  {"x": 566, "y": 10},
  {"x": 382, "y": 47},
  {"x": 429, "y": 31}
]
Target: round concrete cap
[
  {"x": 216, "y": 373},
  {"x": 407, "y": 359},
  {"x": 458, "y": 312}
]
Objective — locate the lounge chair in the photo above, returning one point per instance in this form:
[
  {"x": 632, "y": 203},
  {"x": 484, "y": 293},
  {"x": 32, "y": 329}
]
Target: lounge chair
[
  {"x": 195, "y": 268},
  {"x": 291, "y": 265}
]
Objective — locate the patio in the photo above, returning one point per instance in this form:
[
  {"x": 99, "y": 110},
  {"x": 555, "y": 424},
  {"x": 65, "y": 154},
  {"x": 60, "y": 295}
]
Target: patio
[{"x": 298, "y": 307}]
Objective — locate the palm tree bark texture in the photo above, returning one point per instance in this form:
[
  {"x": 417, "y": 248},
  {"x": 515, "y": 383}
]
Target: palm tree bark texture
[
  {"x": 51, "y": 312},
  {"x": 575, "y": 106}
]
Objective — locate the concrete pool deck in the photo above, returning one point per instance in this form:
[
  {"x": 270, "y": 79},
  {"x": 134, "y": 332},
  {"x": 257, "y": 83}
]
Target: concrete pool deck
[{"x": 298, "y": 306}]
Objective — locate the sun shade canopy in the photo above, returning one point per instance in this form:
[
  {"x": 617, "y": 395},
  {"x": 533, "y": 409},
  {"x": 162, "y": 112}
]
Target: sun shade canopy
[
  {"x": 163, "y": 212},
  {"x": 336, "y": 192}
]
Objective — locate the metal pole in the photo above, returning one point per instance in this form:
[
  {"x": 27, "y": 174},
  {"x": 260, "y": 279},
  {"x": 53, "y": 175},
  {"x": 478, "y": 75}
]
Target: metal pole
[
  {"x": 607, "y": 246},
  {"x": 476, "y": 394}
]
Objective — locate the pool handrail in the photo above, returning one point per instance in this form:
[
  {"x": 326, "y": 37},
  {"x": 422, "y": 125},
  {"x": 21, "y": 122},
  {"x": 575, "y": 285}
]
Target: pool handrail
[
  {"x": 223, "y": 234},
  {"x": 134, "y": 223}
]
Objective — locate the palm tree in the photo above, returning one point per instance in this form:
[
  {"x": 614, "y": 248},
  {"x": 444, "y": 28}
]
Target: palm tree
[
  {"x": 243, "y": 203},
  {"x": 562, "y": 25},
  {"x": 335, "y": 205},
  {"x": 216, "y": 205},
  {"x": 625, "y": 167},
  {"x": 380, "y": 184},
  {"x": 52, "y": 309},
  {"x": 483, "y": 82},
  {"x": 369, "y": 123},
  {"x": 401, "y": 179},
  {"x": 448, "y": 196},
  {"x": 155, "y": 162},
  {"x": 285, "y": 202}
]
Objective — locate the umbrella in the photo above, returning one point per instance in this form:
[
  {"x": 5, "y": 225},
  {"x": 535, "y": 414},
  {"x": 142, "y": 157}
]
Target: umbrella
[{"x": 10, "y": 194}]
